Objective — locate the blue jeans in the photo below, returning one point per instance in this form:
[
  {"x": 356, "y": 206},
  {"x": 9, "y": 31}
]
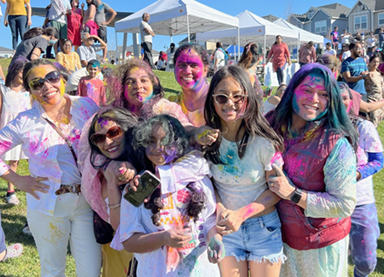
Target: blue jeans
[
  {"x": 280, "y": 75},
  {"x": 18, "y": 24},
  {"x": 363, "y": 239}
]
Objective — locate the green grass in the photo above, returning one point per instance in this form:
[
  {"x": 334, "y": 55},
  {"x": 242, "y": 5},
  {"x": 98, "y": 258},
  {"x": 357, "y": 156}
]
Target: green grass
[{"x": 13, "y": 218}]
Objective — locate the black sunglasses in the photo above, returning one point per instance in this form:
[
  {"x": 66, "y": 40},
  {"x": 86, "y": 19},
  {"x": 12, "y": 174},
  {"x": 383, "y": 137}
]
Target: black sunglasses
[
  {"x": 223, "y": 98},
  {"x": 52, "y": 78},
  {"x": 113, "y": 132}
]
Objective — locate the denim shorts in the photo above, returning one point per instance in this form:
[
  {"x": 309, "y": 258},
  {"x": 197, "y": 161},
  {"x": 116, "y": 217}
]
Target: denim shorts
[{"x": 258, "y": 239}]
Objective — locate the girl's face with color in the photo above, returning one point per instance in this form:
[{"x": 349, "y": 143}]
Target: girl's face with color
[
  {"x": 346, "y": 100},
  {"x": 51, "y": 93},
  {"x": 310, "y": 99},
  {"x": 138, "y": 87},
  {"x": 190, "y": 71},
  {"x": 112, "y": 146},
  {"x": 234, "y": 106},
  {"x": 155, "y": 150}
]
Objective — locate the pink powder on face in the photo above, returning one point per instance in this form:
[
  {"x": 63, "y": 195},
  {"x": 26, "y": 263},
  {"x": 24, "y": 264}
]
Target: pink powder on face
[{"x": 189, "y": 63}]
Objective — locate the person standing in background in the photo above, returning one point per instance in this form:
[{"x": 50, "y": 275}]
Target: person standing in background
[
  {"x": 146, "y": 34},
  {"x": 345, "y": 37},
  {"x": 220, "y": 57},
  {"x": 329, "y": 50},
  {"x": 57, "y": 15},
  {"x": 74, "y": 20},
  {"x": 19, "y": 19},
  {"x": 381, "y": 37},
  {"x": 280, "y": 56},
  {"x": 100, "y": 18},
  {"x": 307, "y": 54},
  {"x": 335, "y": 38}
]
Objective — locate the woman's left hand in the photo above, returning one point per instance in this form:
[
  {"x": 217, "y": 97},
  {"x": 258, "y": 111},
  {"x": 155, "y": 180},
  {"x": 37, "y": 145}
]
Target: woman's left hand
[
  {"x": 280, "y": 184},
  {"x": 29, "y": 22},
  {"x": 229, "y": 222},
  {"x": 119, "y": 172},
  {"x": 216, "y": 249}
]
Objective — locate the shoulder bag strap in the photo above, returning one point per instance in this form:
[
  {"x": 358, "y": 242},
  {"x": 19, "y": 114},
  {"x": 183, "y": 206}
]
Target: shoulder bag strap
[{"x": 67, "y": 141}]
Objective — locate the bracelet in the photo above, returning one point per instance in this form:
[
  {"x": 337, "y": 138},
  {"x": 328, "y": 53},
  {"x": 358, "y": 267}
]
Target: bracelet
[{"x": 114, "y": 206}]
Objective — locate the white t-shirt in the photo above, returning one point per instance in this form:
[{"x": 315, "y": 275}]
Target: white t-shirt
[
  {"x": 369, "y": 142},
  {"x": 346, "y": 39},
  {"x": 240, "y": 181},
  {"x": 346, "y": 55},
  {"x": 330, "y": 52},
  {"x": 175, "y": 197},
  {"x": 144, "y": 36},
  {"x": 58, "y": 10},
  {"x": 220, "y": 57},
  {"x": 371, "y": 42}
]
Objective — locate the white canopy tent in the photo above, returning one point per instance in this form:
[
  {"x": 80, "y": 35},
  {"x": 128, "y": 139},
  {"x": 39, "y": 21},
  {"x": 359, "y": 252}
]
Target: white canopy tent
[
  {"x": 304, "y": 36},
  {"x": 252, "y": 29},
  {"x": 177, "y": 17}
]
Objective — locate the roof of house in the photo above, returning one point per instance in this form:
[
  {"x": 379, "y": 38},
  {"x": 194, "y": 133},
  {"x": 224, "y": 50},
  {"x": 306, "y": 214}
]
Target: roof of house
[
  {"x": 333, "y": 10},
  {"x": 270, "y": 17},
  {"x": 3, "y": 49}
]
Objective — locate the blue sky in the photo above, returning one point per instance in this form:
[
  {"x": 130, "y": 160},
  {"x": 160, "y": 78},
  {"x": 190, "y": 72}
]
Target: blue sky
[{"x": 279, "y": 8}]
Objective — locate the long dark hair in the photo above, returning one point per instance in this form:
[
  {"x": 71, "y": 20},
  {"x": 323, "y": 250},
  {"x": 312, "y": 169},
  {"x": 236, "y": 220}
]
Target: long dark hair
[
  {"x": 124, "y": 119},
  {"x": 116, "y": 82},
  {"x": 37, "y": 31},
  {"x": 176, "y": 145},
  {"x": 252, "y": 119},
  {"x": 16, "y": 66},
  {"x": 336, "y": 117},
  {"x": 251, "y": 54},
  {"x": 278, "y": 36}
]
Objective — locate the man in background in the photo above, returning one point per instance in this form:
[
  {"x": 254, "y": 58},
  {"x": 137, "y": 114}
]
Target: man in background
[
  {"x": 146, "y": 34},
  {"x": 307, "y": 54}
]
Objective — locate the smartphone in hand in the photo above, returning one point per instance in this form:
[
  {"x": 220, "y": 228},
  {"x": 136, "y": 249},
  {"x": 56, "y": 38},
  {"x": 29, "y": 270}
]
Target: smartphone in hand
[{"x": 148, "y": 182}]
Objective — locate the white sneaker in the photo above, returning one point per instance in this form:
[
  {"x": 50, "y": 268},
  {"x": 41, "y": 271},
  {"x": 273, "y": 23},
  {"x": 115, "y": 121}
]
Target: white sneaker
[
  {"x": 12, "y": 199},
  {"x": 26, "y": 230}
]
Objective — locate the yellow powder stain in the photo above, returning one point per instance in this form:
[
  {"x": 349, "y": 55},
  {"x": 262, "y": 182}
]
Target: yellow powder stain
[{"x": 55, "y": 232}]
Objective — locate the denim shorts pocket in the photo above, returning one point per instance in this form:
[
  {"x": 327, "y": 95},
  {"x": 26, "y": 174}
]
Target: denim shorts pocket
[{"x": 272, "y": 226}]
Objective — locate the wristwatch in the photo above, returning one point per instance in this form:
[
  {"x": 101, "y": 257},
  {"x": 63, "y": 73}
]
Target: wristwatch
[{"x": 296, "y": 195}]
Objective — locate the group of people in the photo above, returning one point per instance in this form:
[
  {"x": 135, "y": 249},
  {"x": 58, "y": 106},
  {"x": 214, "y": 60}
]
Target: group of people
[{"x": 268, "y": 189}]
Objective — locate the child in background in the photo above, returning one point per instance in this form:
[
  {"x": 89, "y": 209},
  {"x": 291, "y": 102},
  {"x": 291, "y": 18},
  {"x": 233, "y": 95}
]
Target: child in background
[
  {"x": 91, "y": 86},
  {"x": 171, "y": 233}
]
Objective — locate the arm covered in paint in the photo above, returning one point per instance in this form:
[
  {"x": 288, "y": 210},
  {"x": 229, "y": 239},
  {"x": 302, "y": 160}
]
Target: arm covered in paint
[
  {"x": 375, "y": 164},
  {"x": 339, "y": 198}
]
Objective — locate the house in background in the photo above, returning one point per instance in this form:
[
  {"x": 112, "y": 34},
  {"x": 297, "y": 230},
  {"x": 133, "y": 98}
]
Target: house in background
[
  {"x": 321, "y": 20},
  {"x": 5, "y": 52},
  {"x": 366, "y": 16},
  {"x": 270, "y": 17}
]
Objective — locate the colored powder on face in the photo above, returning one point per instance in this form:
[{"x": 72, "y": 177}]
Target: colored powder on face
[
  {"x": 62, "y": 87},
  {"x": 102, "y": 122}
]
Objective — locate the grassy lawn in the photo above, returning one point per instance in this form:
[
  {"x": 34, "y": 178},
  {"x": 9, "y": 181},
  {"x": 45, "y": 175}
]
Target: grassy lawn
[{"x": 13, "y": 218}]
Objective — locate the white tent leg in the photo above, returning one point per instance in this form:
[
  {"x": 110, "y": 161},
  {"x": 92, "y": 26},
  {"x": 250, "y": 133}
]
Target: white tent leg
[
  {"x": 136, "y": 46},
  {"x": 117, "y": 49},
  {"x": 125, "y": 45},
  {"x": 189, "y": 38},
  {"x": 298, "y": 47},
  {"x": 171, "y": 39},
  {"x": 238, "y": 43},
  {"x": 264, "y": 54}
]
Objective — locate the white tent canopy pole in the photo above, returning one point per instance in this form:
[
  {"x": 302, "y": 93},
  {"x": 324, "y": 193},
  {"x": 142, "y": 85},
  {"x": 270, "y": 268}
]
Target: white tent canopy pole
[{"x": 189, "y": 36}]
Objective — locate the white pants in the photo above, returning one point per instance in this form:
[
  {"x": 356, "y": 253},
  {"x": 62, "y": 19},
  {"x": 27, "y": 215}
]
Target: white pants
[{"x": 72, "y": 221}]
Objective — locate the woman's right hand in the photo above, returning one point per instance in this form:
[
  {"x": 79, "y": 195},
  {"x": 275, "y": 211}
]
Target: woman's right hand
[
  {"x": 205, "y": 135},
  {"x": 6, "y": 23},
  {"x": 119, "y": 173},
  {"x": 176, "y": 239},
  {"x": 31, "y": 184}
]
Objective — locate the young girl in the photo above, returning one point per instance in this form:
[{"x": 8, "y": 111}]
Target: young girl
[
  {"x": 170, "y": 233},
  {"x": 241, "y": 160},
  {"x": 365, "y": 227},
  {"x": 13, "y": 100},
  {"x": 91, "y": 86}
]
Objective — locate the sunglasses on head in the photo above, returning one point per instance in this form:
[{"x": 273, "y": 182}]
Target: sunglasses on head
[
  {"x": 113, "y": 132},
  {"x": 52, "y": 78},
  {"x": 223, "y": 98}
]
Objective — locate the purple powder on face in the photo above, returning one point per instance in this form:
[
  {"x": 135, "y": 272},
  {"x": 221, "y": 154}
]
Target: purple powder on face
[
  {"x": 102, "y": 122},
  {"x": 170, "y": 154}
]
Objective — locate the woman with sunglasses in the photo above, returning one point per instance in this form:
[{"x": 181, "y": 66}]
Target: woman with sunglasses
[
  {"x": 57, "y": 212},
  {"x": 107, "y": 135},
  {"x": 241, "y": 161}
]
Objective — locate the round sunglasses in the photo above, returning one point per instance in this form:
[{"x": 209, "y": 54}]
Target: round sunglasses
[
  {"x": 113, "y": 132},
  {"x": 221, "y": 99},
  {"x": 52, "y": 78}
]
